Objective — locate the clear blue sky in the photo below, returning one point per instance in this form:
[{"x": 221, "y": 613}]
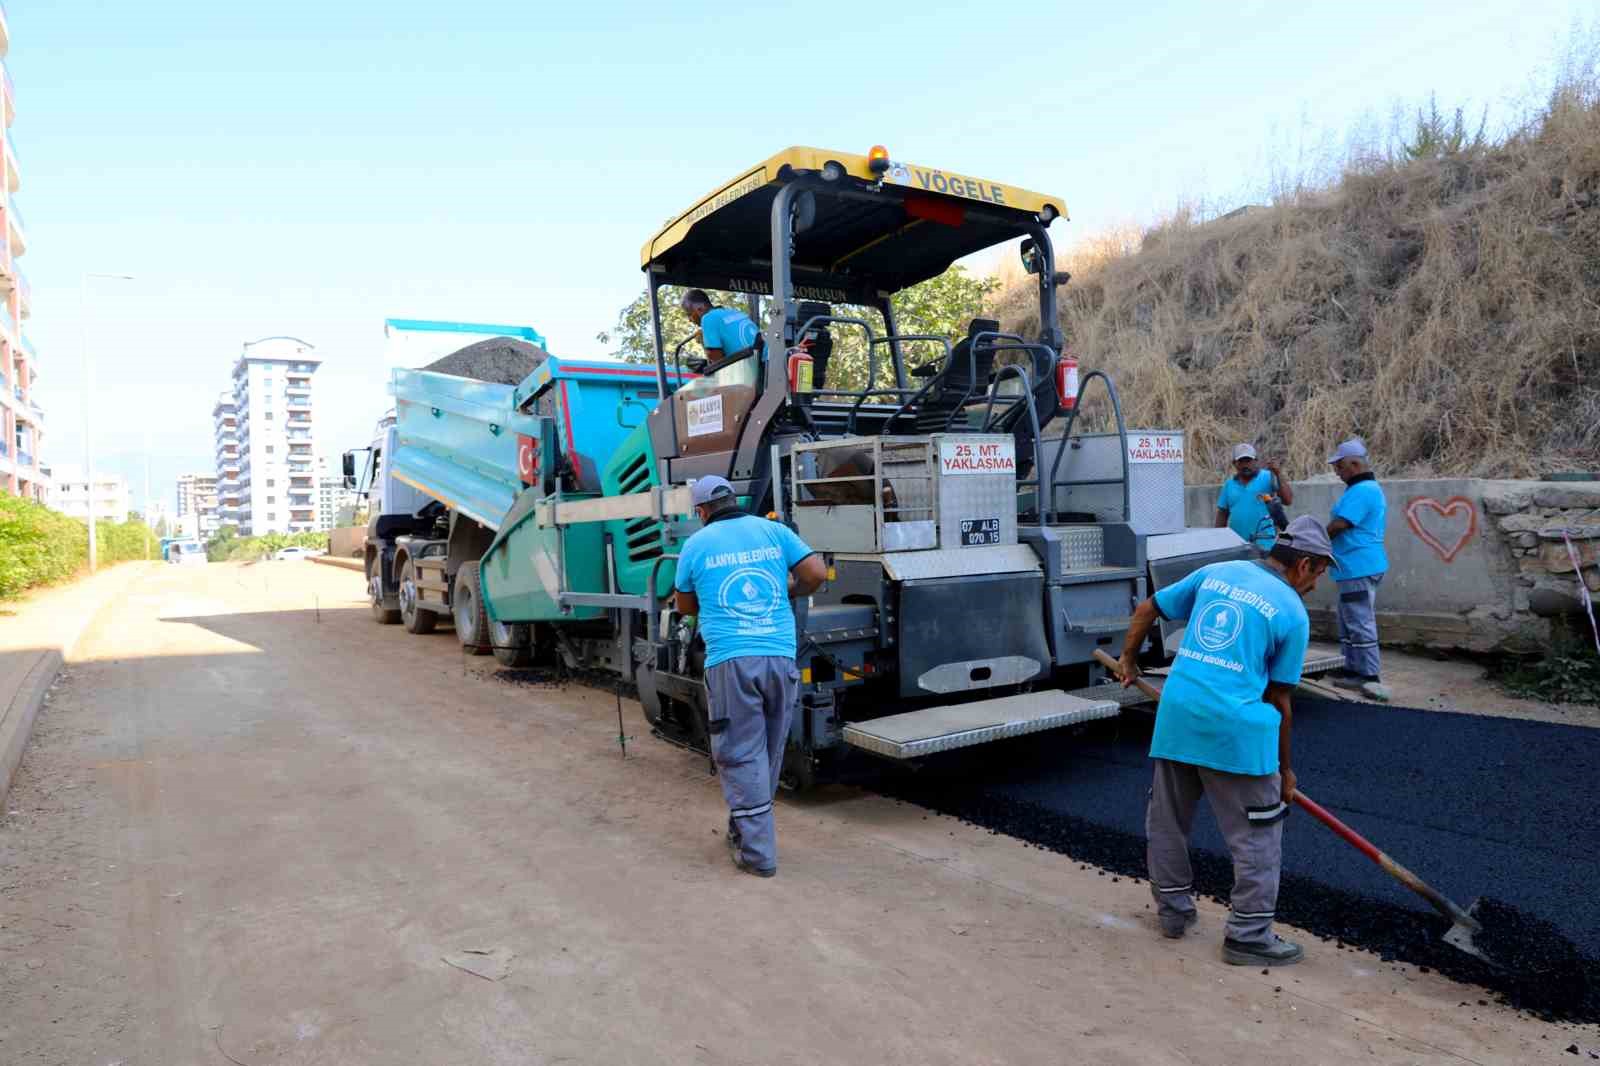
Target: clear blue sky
[{"x": 310, "y": 168}]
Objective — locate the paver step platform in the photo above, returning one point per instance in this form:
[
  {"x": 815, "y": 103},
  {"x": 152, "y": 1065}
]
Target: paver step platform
[{"x": 962, "y": 725}]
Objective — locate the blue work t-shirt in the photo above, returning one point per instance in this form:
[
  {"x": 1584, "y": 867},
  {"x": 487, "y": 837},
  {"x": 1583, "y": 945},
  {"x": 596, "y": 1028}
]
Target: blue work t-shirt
[
  {"x": 730, "y": 330},
  {"x": 1246, "y": 626},
  {"x": 739, "y": 569},
  {"x": 1358, "y": 551},
  {"x": 1247, "y": 515}
]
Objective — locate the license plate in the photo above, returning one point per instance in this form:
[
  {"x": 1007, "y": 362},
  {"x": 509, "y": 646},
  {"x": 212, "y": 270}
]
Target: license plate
[{"x": 976, "y": 532}]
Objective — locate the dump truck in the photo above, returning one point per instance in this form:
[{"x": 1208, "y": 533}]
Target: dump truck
[{"x": 980, "y": 545}]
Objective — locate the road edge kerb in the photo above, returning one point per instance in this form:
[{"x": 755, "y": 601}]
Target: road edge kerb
[
  {"x": 16, "y": 723},
  {"x": 335, "y": 560}
]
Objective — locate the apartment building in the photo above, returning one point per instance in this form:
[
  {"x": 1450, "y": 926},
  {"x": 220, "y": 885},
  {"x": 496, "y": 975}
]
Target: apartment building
[
  {"x": 225, "y": 426},
  {"x": 335, "y": 503},
  {"x": 197, "y": 500},
  {"x": 70, "y": 495},
  {"x": 21, "y": 420},
  {"x": 266, "y": 470}
]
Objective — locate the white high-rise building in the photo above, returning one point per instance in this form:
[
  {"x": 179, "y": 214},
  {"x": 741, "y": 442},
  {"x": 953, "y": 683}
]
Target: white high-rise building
[
  {"x": 334, "y": 501},
  {"x": 71, "y": 495},
  {"x": 265, "y": 429},
  {"x": 225, "y": 418},
  {"x": 197, "y": 500}
]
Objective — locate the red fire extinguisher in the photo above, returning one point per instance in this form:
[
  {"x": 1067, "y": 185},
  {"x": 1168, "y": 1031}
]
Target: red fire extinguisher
[
  {"x": 1067, "y": 380},
  {"x": 800, "y": 368}
]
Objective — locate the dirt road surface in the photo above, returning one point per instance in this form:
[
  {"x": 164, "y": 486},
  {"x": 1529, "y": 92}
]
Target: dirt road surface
[{"x": 253, "y": 825}]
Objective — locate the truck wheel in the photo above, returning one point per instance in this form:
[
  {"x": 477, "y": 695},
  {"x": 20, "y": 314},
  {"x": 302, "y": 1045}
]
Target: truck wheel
[
  {"x": 466, "y": 604},
  {"x": 512, "y": 643},
  {"x": 383, "y": 615},
  {"x": 416, "y": 619}
]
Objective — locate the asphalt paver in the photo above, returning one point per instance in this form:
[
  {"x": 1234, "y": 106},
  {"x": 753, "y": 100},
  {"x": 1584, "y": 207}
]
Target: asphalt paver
[{"x": 1490, "y": 808}]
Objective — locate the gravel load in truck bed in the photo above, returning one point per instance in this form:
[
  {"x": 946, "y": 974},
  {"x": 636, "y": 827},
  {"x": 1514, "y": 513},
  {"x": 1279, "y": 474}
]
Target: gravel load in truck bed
[
  {"x": 1495, "y": 807},
  {"x": 502, "y": 360}
]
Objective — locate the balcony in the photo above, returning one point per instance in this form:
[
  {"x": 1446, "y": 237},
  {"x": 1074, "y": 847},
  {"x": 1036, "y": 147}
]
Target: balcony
[
  {"x": 26, "y": 291},
  {"x": 13, "y": 171},
  {"x": 5, "y": 76},
  {"x": 16, "y": 228},
  {"x": 298, "y": 403},
  {"x": 5, "y": 41}
]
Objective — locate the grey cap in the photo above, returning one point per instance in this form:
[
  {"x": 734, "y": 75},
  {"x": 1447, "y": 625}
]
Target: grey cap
[
  {"x": 1243, "y": 451},
  {"x": 704, "y": 490},
  {"x": 1305, "y": 534},
  {"x": 1354, "y": 448}
]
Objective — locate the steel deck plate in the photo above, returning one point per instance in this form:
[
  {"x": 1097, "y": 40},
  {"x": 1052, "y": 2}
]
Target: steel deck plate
[
  {"x": 936, "y": 729},
  {"x": 1320, "y": 659}
]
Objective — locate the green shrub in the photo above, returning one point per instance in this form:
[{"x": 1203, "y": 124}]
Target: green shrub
[
  {"x": 226, "y": 546},
  {"x": 39, "y": 546},
  {"x": 1568, "y": 673}
]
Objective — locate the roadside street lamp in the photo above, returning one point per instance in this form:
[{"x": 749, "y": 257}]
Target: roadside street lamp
[{"x": 88, "y": 388}]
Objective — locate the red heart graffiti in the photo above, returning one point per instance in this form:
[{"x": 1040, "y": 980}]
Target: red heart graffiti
[{"x": 1455, "y": 505}]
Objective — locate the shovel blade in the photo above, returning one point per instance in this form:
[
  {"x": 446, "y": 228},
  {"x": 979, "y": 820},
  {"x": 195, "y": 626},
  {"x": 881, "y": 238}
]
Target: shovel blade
[{"x": 1461, "y": 936}]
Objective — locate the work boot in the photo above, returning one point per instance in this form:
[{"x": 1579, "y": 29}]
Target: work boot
[
  {"x": 1362, "y": 683},
  {"x": 1277, "y": 952},
  {"x": 1376, "y": 691},
  {"x": 1173, "y": 926},
  {"x": 1347, "y": 680},
  {"x": 750, "y": 868}
]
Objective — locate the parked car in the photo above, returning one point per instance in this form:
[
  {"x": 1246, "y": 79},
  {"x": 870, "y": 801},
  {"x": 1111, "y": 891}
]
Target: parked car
[
  {"x": 186, "y": 552},
  {"x": 295, "y": 552}
]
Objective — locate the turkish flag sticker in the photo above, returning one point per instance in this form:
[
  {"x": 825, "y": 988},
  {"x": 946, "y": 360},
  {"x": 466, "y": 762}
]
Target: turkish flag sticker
[{"x": 527, "y": 459}]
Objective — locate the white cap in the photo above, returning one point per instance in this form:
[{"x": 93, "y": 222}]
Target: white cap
[
  {"x": 1354, "y": 448},
  {"x": 1243, "y": 451}
]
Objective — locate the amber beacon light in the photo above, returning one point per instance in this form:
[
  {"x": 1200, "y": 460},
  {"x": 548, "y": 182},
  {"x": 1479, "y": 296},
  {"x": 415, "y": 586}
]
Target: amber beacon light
[{"x": 878, "y": 160}]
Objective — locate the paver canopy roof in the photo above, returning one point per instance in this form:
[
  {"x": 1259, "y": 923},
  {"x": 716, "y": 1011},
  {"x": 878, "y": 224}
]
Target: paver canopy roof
[{"x": 907, "y": 229}]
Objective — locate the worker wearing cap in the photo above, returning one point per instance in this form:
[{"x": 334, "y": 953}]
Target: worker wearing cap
[
  {"x": 1359, "y": 563},
  {"x": 1223, "y": 729},
  {"x": 723, "y": 331},
  {"x": 1245, "y": 502},
  {"x": 736, "y": 575}
]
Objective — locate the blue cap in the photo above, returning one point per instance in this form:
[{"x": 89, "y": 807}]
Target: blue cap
[
  {"x": 1354, "y": 448},
  {"x": 704, "y": 490},
  {"x": 1306, "y": 534}
]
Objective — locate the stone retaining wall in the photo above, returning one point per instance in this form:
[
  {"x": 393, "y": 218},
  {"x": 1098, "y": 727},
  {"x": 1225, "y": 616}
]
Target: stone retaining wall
[{"x": 1473, "y": 565}]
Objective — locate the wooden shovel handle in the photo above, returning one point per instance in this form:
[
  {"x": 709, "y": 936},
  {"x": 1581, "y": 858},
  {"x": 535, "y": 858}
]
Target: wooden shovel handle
[{"x": 1116, "y": 670}]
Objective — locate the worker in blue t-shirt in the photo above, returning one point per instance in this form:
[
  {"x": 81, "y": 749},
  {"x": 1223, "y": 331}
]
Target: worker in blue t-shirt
[
  {"x": 736, "y": 575},
  {"x": 723, "y": 331},
  {"x": 1359, "y": 563},
  {"x": 1222, "y": 730},
  {"x": 1247, "y": 502}
]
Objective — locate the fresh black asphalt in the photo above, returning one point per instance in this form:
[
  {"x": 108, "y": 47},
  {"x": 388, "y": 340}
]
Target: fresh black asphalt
[{"x": 1496, "y": 808}]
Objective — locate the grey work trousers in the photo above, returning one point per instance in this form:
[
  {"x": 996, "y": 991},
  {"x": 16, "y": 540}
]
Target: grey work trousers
[
  {"x": 1249, "y": 811},
  {"x": 1358, "y": 624},
  {"x": 752, "y": 705}
]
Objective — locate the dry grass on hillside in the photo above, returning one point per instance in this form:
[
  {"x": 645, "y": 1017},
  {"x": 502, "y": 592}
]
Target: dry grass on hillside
[{"x": 1447, "y": 309}]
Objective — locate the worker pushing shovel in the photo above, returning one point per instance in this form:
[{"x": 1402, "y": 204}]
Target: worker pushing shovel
[{"x": 1223, "y": 731}]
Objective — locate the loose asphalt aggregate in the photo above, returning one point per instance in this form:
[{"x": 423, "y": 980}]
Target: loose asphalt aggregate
[
  {"x": 1496, "y": 808},
  {"x": 502, "y": 360}
]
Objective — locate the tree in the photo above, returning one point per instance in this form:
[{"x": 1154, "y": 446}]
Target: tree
[
  {"x": 942, "y": 306},
  {"x": 632, "y": 339}
]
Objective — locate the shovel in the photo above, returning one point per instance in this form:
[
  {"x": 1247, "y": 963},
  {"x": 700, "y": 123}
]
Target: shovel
[{"x": 1464, "y": 927}]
